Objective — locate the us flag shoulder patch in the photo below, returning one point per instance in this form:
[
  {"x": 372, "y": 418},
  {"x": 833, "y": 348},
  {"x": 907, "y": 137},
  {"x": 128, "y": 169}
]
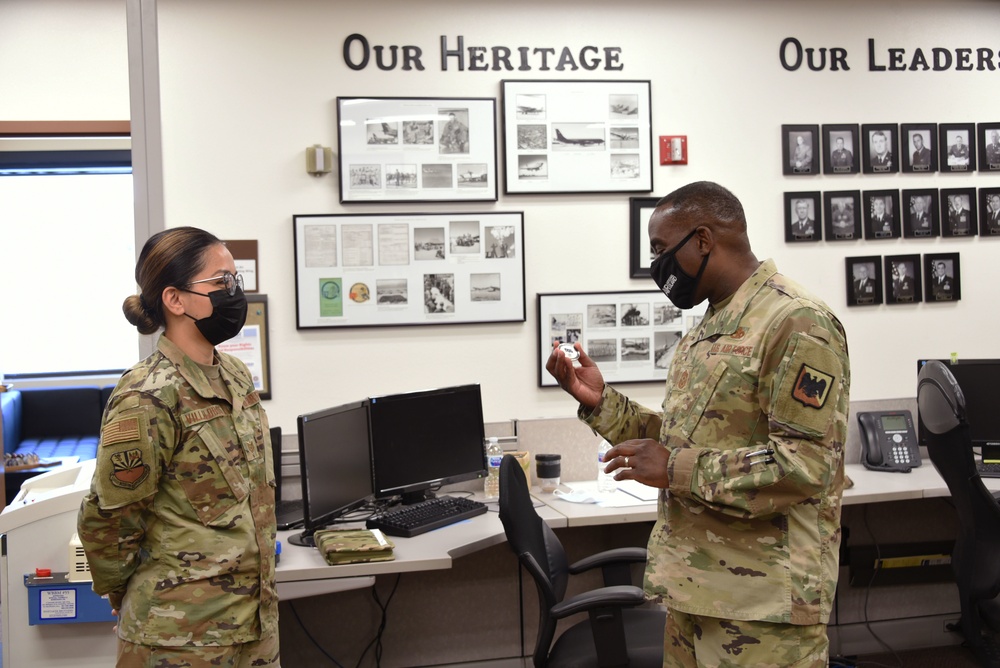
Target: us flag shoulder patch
[
  {"x": 120, "y": 431},
  {"x": 812, "y": 387}
]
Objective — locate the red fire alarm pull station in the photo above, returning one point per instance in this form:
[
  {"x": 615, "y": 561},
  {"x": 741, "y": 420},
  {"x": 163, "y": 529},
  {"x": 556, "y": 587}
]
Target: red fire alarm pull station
[{"x": 673, "y": 150}]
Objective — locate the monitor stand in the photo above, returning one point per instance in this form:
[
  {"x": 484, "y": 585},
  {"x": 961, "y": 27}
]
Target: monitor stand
[
  {"x": 409, "y": 498},
  {"x": 304, "y": 539}
]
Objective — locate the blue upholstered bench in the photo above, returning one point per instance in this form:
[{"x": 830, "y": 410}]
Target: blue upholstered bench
[{"x": 51, "y": 422}]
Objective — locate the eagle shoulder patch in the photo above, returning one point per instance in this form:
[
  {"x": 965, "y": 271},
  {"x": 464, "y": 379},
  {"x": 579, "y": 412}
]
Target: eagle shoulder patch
[{"x": 812, "y": 387}]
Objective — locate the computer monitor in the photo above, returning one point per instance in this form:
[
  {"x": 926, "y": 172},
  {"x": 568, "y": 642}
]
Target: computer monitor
[
  {"x": 979, "y": 380},
  {"x": 335, "y": 461},
  {"x": 422, "y": 440}
]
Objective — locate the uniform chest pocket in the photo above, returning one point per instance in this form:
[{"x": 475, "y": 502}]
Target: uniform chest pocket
[
  {"x": 212, "y": 480},
  {"x": 726, "y": 406}
]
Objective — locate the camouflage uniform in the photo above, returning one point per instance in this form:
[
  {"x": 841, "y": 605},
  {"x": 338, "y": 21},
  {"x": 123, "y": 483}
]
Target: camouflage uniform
[
  {"x": 755, "y": 419},
  {"x": 179, "y": 524}
]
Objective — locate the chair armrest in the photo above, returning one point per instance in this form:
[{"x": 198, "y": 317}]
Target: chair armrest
[
  {"x": 621, "y": 555},
  {"x": 625, "y": 596}
]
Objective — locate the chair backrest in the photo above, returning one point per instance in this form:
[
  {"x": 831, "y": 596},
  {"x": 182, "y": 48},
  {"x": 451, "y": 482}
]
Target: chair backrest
[
  {"x": 275, "y": 434},
  {"x": 941, "y": 405},
  {"x": 537, "y": 548}
]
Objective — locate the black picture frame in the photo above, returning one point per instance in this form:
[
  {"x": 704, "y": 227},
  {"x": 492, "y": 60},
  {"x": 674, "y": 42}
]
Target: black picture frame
[
  {"x": 961, "y": 221},
  {"x": 989, "y": 212},
  {"x": 577, "y": 136},
  {"x": 881, "y": 222},
  {"x": 957, "y": 142},
  {"x": 417, "y": 149},
  {"x": 253, "y": 344},
  {"x": 950, "y": 288},
  {"x": 841, "y": 151},
  {"x": 842, "y": 215},
  {"x": 631, "y": 335},
  {"x": 918, "y": 147},
  {"x": 640, "y": 253},
  {"x": 919, "y": 208},
  {"x": 800, "y": 150},
  {"x": 902, "y": 279},
  {"x": 394, "y": 269},
  {"x": 988, "y": 141},
  {"x": 798, "y": 228},
  {"x": 880, "y": 144},
  {"x": 864, "y": 280}
]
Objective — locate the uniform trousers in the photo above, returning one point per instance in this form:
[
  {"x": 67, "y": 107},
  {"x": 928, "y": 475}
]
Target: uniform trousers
[
  {"x": 696, "y": 641},
  {"x": 258, "y": 653}
]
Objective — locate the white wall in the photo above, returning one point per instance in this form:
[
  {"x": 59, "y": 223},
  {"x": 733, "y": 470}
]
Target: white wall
[{"x": 246, "y": 85}]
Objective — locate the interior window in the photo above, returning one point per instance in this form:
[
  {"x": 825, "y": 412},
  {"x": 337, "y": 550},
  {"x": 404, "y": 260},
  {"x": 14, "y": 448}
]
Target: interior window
[{"x": 67, "y": 255}]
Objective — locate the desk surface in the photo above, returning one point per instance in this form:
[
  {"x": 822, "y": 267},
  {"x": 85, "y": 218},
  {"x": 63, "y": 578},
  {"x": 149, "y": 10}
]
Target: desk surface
[
  {"x": 437, "y": 549},
  {"x": 429, "y": 551}
]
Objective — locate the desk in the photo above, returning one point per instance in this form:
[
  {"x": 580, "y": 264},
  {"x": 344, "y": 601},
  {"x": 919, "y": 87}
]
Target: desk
[
  {"x": 923, "y": 482},
  {"x": 303, "y": 570}
]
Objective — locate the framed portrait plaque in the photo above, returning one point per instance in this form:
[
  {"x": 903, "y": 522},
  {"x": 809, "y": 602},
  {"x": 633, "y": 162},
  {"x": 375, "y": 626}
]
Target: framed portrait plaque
[
  {"x": 802, "y": 217},
  {"x": 631, "y": 336},
  {"x": 958, "y": 147},
  {"x": 640, "y": 254},
  {"x": 989, "y": 212},
  {"x": 902, "y": 279},
  {"x": 958, "y": 212},
  {"x": 920, "y": 213},
  {"x": 942, "y": 277},
  {"x": 840, "y": 149},
  {"x": 577, "y": 136},
  {"x": 395, "y": 149},
  {"x": 864, "y": 280},
  {"x": 842, "y": 213},
  {"x": 989, "y": 146},
  {"x": 367, "y": 270},
  {"x": 800, "y": 149},
  {"x": 881, "y": 148},
  {"x": 918, "y": 143},
  {"x": 881, "y": 212}
]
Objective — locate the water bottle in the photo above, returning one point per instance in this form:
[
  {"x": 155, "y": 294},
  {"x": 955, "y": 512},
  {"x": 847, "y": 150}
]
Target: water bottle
[
  {"x": 494, "y": 453},
  {"x": 605, "y": 481}
]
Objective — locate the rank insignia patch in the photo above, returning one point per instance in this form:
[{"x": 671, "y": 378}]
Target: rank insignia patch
[
  {"x": 812, "y": 387},
  {"x": 129, "y": 469}
]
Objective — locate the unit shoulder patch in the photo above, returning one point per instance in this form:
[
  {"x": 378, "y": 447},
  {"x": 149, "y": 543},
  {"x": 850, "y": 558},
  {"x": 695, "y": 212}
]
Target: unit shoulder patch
[{"x": 812, "y": 387}]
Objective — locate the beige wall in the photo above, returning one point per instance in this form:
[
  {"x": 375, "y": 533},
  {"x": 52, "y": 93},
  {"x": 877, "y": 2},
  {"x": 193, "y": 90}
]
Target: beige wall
[{"x": 247, "y": 85}]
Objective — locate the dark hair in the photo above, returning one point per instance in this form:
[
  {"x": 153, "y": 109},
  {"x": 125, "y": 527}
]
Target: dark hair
[
  {"x": 702, "y": 199},
  {"x": 170, "y": 258}
]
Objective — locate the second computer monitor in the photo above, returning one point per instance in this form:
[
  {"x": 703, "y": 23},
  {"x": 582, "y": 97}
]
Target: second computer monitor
[
  {"x": 336, "y": 464},
  {"x": 422, "y": 440}
]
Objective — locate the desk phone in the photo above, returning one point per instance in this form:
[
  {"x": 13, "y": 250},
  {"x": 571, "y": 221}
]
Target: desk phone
[{"x": 888, "y": 441}]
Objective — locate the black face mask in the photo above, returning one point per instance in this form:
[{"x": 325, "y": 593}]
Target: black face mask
[
  {"x": 676, "y": 284},
  {"x": 229, "y": 314}
]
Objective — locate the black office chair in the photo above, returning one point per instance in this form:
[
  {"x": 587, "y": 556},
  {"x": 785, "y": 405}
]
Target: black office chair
[
  {"x": 976, "y": 557},
  {"x": 617, "y": 633}
]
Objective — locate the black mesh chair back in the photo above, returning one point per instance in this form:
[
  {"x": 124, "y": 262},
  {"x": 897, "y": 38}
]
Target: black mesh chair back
[
  {"x": 617, "y": 630},
  {"x": 976, "y": 557},
  {"x": 537, "y": 548}
]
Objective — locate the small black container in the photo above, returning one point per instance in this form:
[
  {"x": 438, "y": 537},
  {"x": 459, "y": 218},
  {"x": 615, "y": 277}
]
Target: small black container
[{"x": 548, "y": 469}]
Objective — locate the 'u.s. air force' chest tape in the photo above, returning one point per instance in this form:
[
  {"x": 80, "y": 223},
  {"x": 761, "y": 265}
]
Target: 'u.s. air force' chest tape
[
  {"x": 807, "y": 389},
  {"x": 126, "y": 459}
]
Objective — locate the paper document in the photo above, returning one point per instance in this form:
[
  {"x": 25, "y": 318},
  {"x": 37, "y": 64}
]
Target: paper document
[{"x": 638, "y": 490}]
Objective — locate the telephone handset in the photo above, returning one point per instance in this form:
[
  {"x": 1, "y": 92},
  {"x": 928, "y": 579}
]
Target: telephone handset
[{"x": 888, "y": 441}]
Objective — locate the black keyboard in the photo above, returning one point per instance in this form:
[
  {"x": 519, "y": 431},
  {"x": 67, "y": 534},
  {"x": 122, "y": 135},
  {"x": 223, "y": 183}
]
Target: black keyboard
[
  {"x": 421, "y": 517},
  {"x": 988, "y": 470}
]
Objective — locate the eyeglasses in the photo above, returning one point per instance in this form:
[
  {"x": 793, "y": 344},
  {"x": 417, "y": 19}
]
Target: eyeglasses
[{"x": 230, "y": 282}]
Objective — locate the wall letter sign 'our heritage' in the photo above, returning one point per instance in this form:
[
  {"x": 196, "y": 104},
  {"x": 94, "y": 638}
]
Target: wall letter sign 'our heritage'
[{"x": 359, "y": 53}]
